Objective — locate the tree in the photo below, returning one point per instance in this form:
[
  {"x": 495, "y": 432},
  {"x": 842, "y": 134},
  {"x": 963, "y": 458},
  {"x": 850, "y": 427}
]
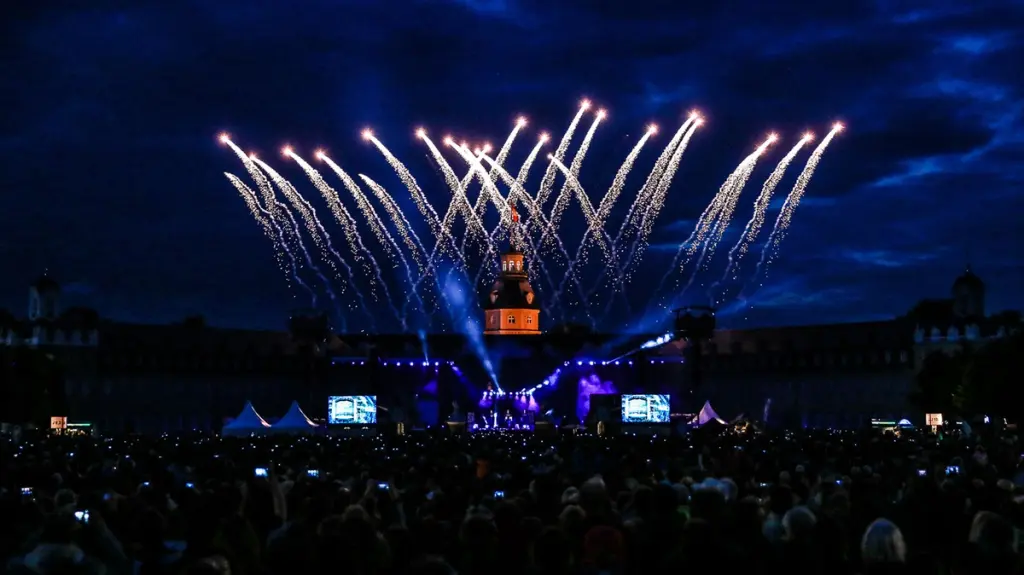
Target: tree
[
  {"x": 992, "y": 378},
  {"x": 940, "y": 382}
]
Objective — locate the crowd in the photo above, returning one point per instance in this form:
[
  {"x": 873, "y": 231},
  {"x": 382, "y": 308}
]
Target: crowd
[{"x": 508, "y": 503}]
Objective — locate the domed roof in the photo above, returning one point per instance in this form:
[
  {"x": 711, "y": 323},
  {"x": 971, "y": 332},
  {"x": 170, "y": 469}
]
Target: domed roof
[
  {"x": 512, "y": 293},
  {"x": 968, "y": 279},
  {"x": 45, "y": 283}
]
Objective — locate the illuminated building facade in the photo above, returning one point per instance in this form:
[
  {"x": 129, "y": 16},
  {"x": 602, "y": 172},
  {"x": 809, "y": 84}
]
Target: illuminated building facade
[
  {"x": 187, "y": 375},
  {"x": 512, "y": 307}
]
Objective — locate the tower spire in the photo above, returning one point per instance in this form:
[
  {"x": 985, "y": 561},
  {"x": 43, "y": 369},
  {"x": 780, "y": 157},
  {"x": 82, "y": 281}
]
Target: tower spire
[
  {"x": 512, "y": 307},
  {"x": 513, "y": 236}
]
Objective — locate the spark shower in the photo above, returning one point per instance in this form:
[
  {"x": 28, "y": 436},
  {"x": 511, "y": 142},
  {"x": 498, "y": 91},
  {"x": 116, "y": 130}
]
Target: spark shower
[{"x": 373, "y": 266}]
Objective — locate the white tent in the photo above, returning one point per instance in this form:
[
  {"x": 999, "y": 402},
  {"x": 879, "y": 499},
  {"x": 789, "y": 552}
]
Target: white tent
[
  {"x": 706, "y": 415},
  {"x": 247, "y": 423},
  {"x": 295, "y": 421}
]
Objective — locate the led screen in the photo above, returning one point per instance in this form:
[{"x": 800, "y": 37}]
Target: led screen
[
  {"x": 645, "y": 409},
  {"x": 351, "y": 409}
]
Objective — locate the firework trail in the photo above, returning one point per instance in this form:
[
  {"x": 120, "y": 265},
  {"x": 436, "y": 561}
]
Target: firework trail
[
  {"x": 459, "y": 200},
  {"x": 518, "y": 190},
  {"x": 333, "y": 200},
  {"x": 726, "y": 208},
  {"x": 588, "y": 209},
  {"x": 619, "y": 181},
  {"x": 316, "y": 230},
  {"x": 591, "y": 215},
  {"x": 535, "y": 213},
  {"x": 537, "y": 233},
  {"x": 460, "y": 203},
  {"x": 524, "y": 170},
  {"x": 410, "y": 183},
  {"x": 488, "y": 188},
  {"x": 729, "y": 207},
  {"x": 706, "y": 219},
  {"x": 603, "y": 210},
  {"x": 447, "y": 241},
  {"x": 793, "y": 200},
  {"x": 405, "y": 229},
  {"x": 653, "y": 178},
  {"x": 444, "y": 241},
  {"x": 481, "y": 204},
  {"x": 657, "y": 200},
  {"x": 479, "y": 208},
  {"x": 501, "y": 158},
  {"x": 753, "y": 226},
  {"x": 408, "y": 233},
  {"x": 294, "y": 233},
  {"x": 547, "y": 183},
  {"x": 266, "y": 222},
  {"x": 356, "y": 242},
  {"x": 563, "y": 146},
  {"x": 275, "y": 210},
  {"x": 565, "y": 194}
]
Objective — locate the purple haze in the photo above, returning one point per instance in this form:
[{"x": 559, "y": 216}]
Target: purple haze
[{"x": 589, "y": 385}]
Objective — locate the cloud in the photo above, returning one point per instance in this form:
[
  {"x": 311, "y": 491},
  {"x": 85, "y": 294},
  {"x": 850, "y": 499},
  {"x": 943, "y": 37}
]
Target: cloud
[
  {"x": 886, "y": 258},
  {"x": 111, "y": 111}
]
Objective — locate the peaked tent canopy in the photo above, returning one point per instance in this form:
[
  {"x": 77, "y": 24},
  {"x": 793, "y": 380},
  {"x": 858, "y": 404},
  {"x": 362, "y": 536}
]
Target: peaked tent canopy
[
  {"x": 707, "y": 414},
  {"x": 295, "y": 421},
  {"x": 247, "y": 423}
]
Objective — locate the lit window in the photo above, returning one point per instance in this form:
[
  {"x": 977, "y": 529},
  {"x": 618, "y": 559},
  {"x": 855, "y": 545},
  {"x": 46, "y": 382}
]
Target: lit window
[
  {"x": 529, "y": 320},
  {"x": 511, "y": 319},
  {"x": 504, "y": 265}
]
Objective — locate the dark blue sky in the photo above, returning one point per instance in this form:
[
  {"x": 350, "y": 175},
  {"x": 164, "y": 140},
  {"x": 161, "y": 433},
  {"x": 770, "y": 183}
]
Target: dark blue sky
[{"x": 113, "y": 179}]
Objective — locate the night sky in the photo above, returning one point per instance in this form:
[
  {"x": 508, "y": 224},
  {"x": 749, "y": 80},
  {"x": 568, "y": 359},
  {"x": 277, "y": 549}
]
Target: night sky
[{"x": 113, "y": 178}]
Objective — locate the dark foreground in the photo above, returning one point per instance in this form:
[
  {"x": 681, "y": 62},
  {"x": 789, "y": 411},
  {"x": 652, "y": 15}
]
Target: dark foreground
[{"x": 734, "y": 502}]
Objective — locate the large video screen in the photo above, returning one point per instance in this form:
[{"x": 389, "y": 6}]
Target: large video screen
[
  {"x": 645, "y": 409},
  {"x": 351, "y": 409}
]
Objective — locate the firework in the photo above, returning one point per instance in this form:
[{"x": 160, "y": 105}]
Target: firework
[
  {"x": 785, "y": 216},
  {"x": 753, "y": 226},
  {"x": 416, "y": 260}
]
